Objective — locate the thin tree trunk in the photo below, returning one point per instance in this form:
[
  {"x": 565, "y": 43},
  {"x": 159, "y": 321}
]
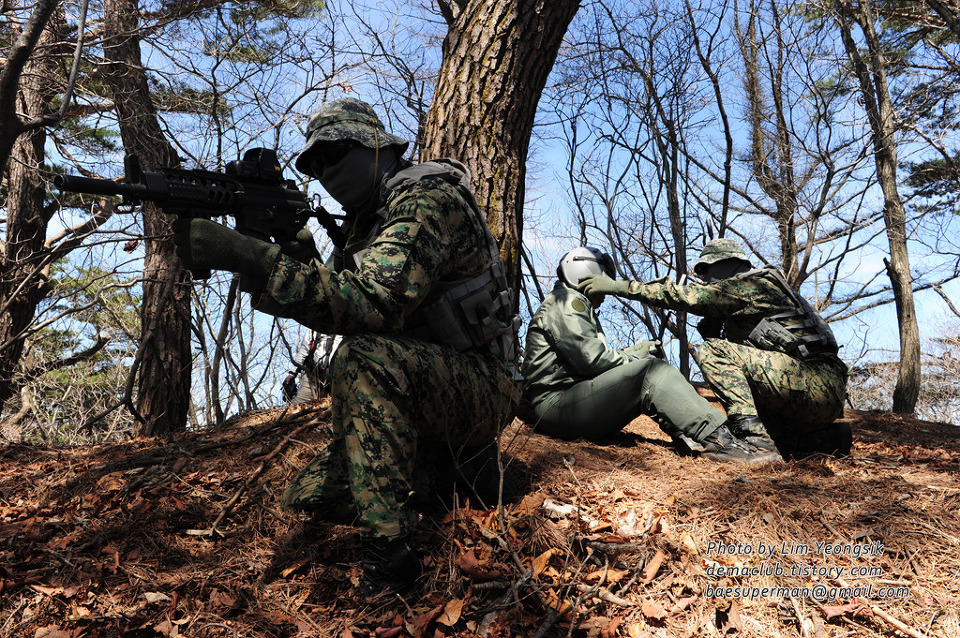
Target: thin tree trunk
[
  {"x": 771, "y": 152},
  {"x": 20, "y": 55},
  {"x": 496, "y": 59},
  {"x": 163, "y": 390},
  {"x": 23, "y": 275},
  {"x": 876, "y": 97},
  {"x": 668, "y": 143}
]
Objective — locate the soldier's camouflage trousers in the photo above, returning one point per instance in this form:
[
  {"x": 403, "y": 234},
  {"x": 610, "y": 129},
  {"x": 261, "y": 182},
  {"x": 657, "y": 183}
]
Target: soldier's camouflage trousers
[
  {"x": 396, "y": 402},
  {"x": 789, "y": 395}
]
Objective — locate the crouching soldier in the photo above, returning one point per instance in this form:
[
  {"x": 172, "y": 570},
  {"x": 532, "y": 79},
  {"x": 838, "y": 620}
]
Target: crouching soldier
[
  {"x": 419, "y": 294},
  {"x": 768, "y": 355}
]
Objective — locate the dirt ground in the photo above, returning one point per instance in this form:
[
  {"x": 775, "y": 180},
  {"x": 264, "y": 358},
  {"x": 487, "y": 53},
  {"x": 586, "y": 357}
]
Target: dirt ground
[{"x": 185, "y": 537}]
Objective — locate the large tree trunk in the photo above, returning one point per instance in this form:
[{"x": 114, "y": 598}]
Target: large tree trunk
[
  {"x": 23, "y": 273},
  {"x": 876, "y": 97},
  {"x": 163, "y": 392},
  {"x": 496, "y": 59}
]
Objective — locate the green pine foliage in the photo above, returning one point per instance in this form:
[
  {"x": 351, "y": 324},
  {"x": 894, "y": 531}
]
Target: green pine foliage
[
  {"x": 937, "y": 182},
  {"x": 926, "y": 57},
  {"x": 67, "y": 396}
]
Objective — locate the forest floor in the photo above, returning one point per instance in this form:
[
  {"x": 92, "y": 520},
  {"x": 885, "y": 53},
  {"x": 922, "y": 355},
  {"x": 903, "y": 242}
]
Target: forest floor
[{"x": 185, "y": 537}]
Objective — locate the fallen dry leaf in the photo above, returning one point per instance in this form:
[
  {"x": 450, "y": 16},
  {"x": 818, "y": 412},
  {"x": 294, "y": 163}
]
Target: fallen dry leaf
[
  {"x": 856, "y": 608},
  {"x": 541, "y": 562},
  {"x": 422, "y": 622},
  {"x": 610, "y": 629},
  {"x": 451, "y": 612},
  {"x": 682, "y": 604},
  {"x": 530, "y": 503},
  {"x": 729, "y": 619},
  {"x": 49, "y": 591},
  {"x": 612, "y": 575},
  {"x": 653, "y": 610},
  {"x": 689, "y": 543},
  {"x": 472, "y": 568},
  {"x": 651, "y": 568},
  {"x": 167, "y": 628}
]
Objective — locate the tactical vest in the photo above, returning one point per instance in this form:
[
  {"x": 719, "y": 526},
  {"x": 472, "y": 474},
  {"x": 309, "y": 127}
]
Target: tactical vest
[
  {"x": 474, "y": 313},
  {"x": 800, "y": 332}
]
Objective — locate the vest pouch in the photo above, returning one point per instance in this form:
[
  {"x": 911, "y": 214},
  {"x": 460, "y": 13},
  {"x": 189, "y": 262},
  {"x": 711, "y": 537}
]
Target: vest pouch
[
  {"x": 439, "y": 323},
  {"x": 770, "y": 335},
  {"x": 466, "y": 316},
  {"x": 800, "y": 332},
  {"x": 479, "y": 315}
]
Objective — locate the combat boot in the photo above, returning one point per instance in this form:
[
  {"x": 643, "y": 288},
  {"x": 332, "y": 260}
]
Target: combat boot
[
  {"x": 752, "y": 430},
  {"x": 722, "y": 445},
  {"x": 388, "y": 564},
  {"x": 839, "y": 440},
  {"x": 835, "y": 439}
]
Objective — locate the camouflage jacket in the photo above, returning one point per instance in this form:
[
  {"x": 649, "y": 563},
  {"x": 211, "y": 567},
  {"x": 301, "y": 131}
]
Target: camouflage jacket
[
  {"x": 565, "y": 345},
  {"x": 427, "y": 235},
  {"x": 732, "y": 307}
]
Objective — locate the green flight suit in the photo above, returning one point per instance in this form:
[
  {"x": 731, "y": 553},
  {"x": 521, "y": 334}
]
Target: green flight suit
[{"x": 580, "y": 387}]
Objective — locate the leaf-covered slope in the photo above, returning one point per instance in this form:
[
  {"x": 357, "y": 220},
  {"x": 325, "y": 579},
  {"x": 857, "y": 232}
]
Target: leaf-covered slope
[{"x": 186, "y": 538}]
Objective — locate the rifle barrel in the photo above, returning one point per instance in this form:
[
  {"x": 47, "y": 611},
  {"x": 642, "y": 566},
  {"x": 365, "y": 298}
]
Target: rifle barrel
[{"x": 92, "y": 186}]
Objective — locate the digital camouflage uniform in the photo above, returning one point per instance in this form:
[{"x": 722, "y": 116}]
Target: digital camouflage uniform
[
  {"x": 793, "y": 397},
  {"x": 579, "y": 387},
  {"x": 397, "y": 399}
]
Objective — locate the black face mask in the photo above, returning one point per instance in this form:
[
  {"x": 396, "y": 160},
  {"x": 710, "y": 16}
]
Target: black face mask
[
  {"x": 328, "y": 154},
  {"x": 725, "y": 269},
  {"x": 354, "y": 179}
]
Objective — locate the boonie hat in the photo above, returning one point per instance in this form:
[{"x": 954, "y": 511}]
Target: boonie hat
[
  {"x": 718, "y": 250},
  {"x": 342, "y": 120}
]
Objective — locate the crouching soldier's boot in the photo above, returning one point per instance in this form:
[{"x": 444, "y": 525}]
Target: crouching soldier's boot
[
  {"x": 835, "y": 439},
  {"x": 838, "y": 439},
  {"x": 722, "y": 445},
  {"x": 388, "y": 564},
  {"x": 751, "y": 429}
]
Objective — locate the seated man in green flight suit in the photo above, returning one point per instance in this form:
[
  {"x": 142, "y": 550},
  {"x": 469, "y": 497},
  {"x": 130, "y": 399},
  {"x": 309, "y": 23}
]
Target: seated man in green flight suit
[
  {"x": 579, "y": 387},
  {"x": 768, "y": 355},
  {"x": 416, "y": 376}
]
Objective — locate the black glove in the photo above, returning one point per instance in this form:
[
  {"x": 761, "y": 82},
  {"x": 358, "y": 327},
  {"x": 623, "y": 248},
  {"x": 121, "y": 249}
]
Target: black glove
[
  {"x": 289, "y": 388},
  {"x": 710, "y": 327},
  {"x": 302, "y": 247},
  {"x": 203, "y": 245}
]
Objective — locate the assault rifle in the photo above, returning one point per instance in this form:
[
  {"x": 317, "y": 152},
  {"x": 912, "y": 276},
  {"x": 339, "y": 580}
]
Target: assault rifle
[{"x": 251, "y": 189}]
